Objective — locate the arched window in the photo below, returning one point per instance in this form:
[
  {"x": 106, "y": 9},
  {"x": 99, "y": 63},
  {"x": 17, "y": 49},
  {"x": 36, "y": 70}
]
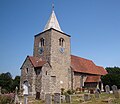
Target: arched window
[
  {"x": 42, "y": 42},
  {"x": 62, "y": 42}
]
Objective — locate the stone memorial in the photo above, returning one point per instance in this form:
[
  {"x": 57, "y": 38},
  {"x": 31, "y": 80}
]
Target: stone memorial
[
  {"x": 107, "y": 89},
  {"x": 48, "y": 98},
  {"x": 97, "y": 93},
  {"x": 115, "y": 91},
  {"x": 114, "y": 88},
  {"x": 86, "y": 97},
  {"x": 57, "y": 98},
  {"x": 62, "y": 98},
  {"x": 16, "y": 101},
  {"x": 68, "y": 98},
  {"x": 42, "y": 96}
]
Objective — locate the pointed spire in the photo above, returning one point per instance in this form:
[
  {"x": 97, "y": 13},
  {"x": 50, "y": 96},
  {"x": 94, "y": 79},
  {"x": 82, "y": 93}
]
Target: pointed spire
[{"x": 52, "y": 22}]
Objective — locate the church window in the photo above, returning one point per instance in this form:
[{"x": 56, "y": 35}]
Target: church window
[
  {"x": 61, "y": 42},
  {"x": 27, "y": 70},
  {"x": 42, "y": 42}
]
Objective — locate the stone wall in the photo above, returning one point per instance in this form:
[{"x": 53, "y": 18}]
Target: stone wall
[
  {"x": 27, "y": 73},
  {"x": 78, "y": 80},
  {"x": 59, "y": 62}
]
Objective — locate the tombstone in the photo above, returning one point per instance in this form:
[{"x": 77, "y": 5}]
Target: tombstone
[
  {"x": 68, "y": 98},
  {"x": 86, "y": 97},
  {"x": 42, "y": 96},
  {"x": 16, "y": 101},
  {"x": 107, "y": 89},
  {"x": 114, "y": 88},
  {"x": 97, "y": 93},
  {"x": 48, "y": 99},
  {"x": 62, "y": 98},
  {"x": 0, "y": 90},
  {"x": 57, "y": 98},
  {"x": 115, "y": 91}
]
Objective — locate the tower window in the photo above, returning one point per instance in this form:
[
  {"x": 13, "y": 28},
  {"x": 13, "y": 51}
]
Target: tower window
[
  {"x": 61, "y": 42},
  {"x": 42, "y": 42}
]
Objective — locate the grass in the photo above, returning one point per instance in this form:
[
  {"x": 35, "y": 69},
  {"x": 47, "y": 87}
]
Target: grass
[{"x": 104, "y": 98}]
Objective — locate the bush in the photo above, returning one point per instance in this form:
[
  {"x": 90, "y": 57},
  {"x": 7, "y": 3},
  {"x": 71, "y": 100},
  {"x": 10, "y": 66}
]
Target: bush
[
  {"x": 70, "y": 92},
  {"x": 7, "y": 98}
]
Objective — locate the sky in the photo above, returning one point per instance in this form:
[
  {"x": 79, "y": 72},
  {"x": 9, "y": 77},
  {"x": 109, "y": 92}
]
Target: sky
[{"x": 94, "y": 26}]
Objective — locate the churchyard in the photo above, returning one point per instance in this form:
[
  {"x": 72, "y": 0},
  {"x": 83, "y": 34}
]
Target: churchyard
[{"x": 70, "y": 97}]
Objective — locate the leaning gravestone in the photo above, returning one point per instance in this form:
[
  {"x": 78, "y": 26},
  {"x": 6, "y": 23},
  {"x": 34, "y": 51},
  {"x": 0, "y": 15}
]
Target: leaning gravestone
[
  {"x": 48, "y": 99},
  {"x": 68, "y": 98},
  {"x": 57, "y": 98},
  {"x": 107, "y": 89}
]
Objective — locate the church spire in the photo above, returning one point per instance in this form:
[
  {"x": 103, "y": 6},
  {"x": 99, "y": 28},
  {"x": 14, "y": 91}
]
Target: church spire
[{"x": 52, "y": 22}]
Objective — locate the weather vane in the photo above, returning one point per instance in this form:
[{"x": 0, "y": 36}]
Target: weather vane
[{"x": 53, "y": 5}]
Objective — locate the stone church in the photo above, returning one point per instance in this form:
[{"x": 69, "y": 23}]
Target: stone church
[{"x": 52, "y": 66}]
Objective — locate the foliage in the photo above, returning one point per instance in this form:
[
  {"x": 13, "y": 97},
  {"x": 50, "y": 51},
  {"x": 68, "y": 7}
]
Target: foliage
[
  {"x": 70, "y": 91},
  {"x": 7, "y": 83},
  {"x": 113, "y": 77},
  {"x": 7, "y": 98}
]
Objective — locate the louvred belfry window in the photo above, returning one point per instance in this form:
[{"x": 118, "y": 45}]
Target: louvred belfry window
[
  {"x": 61, "y": 42},
  {"x": 42, "y": 42}
]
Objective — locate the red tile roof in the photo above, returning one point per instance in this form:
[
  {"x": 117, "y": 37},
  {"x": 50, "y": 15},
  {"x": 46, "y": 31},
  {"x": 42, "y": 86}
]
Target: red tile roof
[
  {"x": 93, "y": 79},
  {"x": 82, "y": 65},
  {"x": 102, "y": 71},
  {"x": 37, "y": 62}
]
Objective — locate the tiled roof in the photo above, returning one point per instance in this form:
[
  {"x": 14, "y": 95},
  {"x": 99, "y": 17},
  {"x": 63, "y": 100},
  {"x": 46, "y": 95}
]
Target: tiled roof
[
  {"x": 82, "y": 65},
  {"x": 102, "y": 71},
  {"x": 37, "y": 62},
  {"x": 93, "y": 79}
]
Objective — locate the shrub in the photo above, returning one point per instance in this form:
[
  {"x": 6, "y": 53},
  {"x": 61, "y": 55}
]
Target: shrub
[{"x": 7, "y": 98}]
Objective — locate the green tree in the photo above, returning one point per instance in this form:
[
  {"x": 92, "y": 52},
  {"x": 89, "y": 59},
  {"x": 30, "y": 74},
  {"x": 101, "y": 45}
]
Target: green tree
[
  {"x": 6, "y": 81},
  {"x": 16, "y": 83},
  {"x": 113, "y": 77}
]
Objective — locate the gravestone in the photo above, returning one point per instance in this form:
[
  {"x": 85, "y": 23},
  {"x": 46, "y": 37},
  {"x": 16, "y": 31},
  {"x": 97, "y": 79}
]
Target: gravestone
[
  {"x": 16, "y": 101},
  {"x": 107, "y": 89},
  {"x": 86, "y": 97},
  {"x": 114, "y": 88},
  {"x": 57, "y": 98},
  {"x": 62, "y": 98},
  {"x": 0, "y": 89},
  {"x": 97, "y": 93},
  {"x": 68, "y": 98},
  {"x": 48, "y": 99},
  {"x": 42, "y": 96},
  {"x": 115, "y": 91}
]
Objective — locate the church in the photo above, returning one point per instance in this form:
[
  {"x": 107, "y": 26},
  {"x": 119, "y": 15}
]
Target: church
[{"x": 52, "y": 65}]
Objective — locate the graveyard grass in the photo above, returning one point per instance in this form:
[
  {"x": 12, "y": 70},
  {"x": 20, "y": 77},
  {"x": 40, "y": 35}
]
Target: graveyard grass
[{"x": 104, "y": 98}]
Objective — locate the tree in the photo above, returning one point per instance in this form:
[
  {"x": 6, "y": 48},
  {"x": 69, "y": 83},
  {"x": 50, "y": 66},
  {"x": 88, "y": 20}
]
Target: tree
[
  {"x": 16, "y": 83},
  {"x": 113, "y": 77},
  {"x": 6, "y": 81}
]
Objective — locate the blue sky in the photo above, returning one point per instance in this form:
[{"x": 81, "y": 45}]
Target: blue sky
[{"x": 94, "y": 26}]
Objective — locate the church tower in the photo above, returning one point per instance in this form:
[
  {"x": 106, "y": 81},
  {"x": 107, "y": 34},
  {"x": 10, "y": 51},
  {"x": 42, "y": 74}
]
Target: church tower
[{"x": 53, "y": 46}]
